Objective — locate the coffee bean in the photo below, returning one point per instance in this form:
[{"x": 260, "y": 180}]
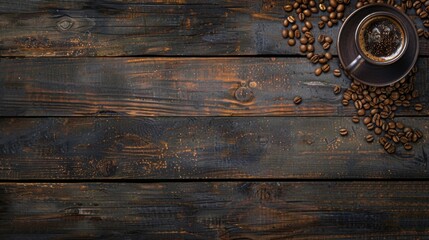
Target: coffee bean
[
  {"x": 387, "y": 145},
  {"x": 307, "y": 12},
  {"x": 315, "y": 59},
  {"x": 301, "y": 17},
  {"x": 392, "y": 124},
  {"x": 417, "y": 4},
  {"x": 333, "y": 3},
  {"x": 296, "y": 5},
  {"x": 340, "y": 8},
  {"x": 378, "y": 131},
  {"x": 321, "y": 38},
  {"x": 297, "y": 34},
  {"x": 409, "y": 4},
  {"x": 360, "y": 4},
  {"x": 420, "y": 32},
  {"x": 343, "y": 132},
  {"x": 333, "y": 15},
  {"x": 408, "y": 146},
  {"x": 406, "y": 103},
  {"x": 361, "y": 112},
  {"x": 318, "y": 71},
  {"x": 291, "y": 19},
  {"x": 285, "y": 33},
  {"x": 340, "y": 15},
  {"x": 303, "y": 40},
  {"x": 322, "y": 7},
  {"x": 418, "y": 107},
  {"x": 330, "y": 24},
  {"x": 311, "y": 40},
  {"x": 310, "y": 48},
  {"x": 366, "y": 120},
  {"x": 294, "y": 27},
  {"x": 391, "y": 149},
  {"x": 370, "y": 126},
  {"x": 414, "y": 138},
  {"x": 358, "y": 104},
  {"x": 324, "y": 18},
  {"x": 407, "y": 129},
  {"x": 423, "y": 15},
  {"x": 308, "y": 34},
  {"x": 395, "y": 139},
  {"x": 337, "y": 72},
  {"x": 304, "y": 29},
  {"x": 321, "y": 24},
  {"x": 308, "y": 24},
  {"x": 384, "y": 114},
  {"x": 418, "y": 133},
  {"x": 382, "y": 140},
  {"x": 403, "y": 139},
  {"x": 337, "y": 89},
  {"x": 344, "y": 101},
  {"x": 426, "y": 34},
  {"x": 355, "y": 119},
  {"x": 285, "y": 23},
  {"x": 291, "y": 42},
  {"x": 288, "y": 7},
  {"x": 303, "y": 48},
  {"x": 328, "y": 55},
  {"x": 369, "y": 138},
  {"x": 325, "y": 68},
  {"x": 426, "y": 23},
  {"x": 323, "y": 60},
  {"x": 297, "y": 100},
  {"x": 326, "y": 46}
]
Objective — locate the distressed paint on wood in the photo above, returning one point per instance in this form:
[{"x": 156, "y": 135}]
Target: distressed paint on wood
[
  {"x": 201, "y": 148},
  {"x": 175, "y": 87},
  {"x": 144, "y": 27},
  {"x": 215, "y": 210}
]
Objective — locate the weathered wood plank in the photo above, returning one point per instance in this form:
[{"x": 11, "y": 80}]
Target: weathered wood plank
[
  {"x": 200, "y": 148},
  {"x": 145, "y": 27},
  {"x": 175, "y": 87},
  {"x": 215, "y": 210}
]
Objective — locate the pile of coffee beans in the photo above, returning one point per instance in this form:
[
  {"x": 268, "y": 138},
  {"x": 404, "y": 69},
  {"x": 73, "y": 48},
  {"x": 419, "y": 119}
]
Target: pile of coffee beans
[{"x": 375, "y": 106}]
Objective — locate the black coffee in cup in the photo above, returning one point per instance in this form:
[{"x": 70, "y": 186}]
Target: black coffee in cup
[{"x": 381, "y": 39}]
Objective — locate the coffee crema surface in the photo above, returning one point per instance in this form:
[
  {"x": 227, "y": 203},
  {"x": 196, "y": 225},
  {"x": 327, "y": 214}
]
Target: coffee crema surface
[{"x": 381, "y": 39}]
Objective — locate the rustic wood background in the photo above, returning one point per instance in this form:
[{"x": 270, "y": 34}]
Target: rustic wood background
[{"x": 119, "y": 120}]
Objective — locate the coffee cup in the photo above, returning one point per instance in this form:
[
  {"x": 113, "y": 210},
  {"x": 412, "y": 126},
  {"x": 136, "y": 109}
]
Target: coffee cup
[{"x": 381, "y": 39}]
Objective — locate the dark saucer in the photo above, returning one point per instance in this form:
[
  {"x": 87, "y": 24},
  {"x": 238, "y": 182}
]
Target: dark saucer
[{"x": 376, "y": 75}]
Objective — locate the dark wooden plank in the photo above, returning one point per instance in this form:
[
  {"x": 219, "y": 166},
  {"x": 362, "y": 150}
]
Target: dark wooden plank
[
  {"x": 145, "y": 27},
  {"x": 175, "y": 87},
  {"x": 215, "y": 210},
  {"x": 200, "y": 148}
]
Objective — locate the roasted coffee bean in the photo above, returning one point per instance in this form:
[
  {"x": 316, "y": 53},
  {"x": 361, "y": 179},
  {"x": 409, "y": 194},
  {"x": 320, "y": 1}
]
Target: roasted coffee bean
[
  {"x": 426, "y": 23},
  {"x": 370, "y": 126},
  {"x": 392, "y": 132},
  {"x": 308, "y": 24},
  {"x": 310, "y": 48},
  {"x": 391, "y": 149},
  {"x": 321, "y": 24},
  {"x": 337, "y": 89},
  {"x": 297, "y": 34},
  {"x": 409, "y": 4},
  {"x": 285, "y": 23},
  {"x": 296, "y": 5},
  {"x": 322, "y": 7},
  {"x": 343, "y": 132},
  {"x": 403, "y": 139},
  {"x": 340, "y": 15},
  {"x": 297, "y": 100},
  {"x": 291, "y": 42},
  {"x": 344, "y": 101},
  {"x": 311, "y": 40},
  {"x": 301, "y": 17},
  {"x": 330, "y": 23},
  {"x": 308, "y": 34},
  {"x": 285, "y": 33},
  {"x": 303, "y": 48},
  {"x": 326, "y": 46},
  {"x": 417, "y": 4},
  {"x": 355, "y": 119},
  {"x": 307, "y": 12},
  {"x": 288, "y": 7},
  {"x": 387, "y": 145},
  {"x": 333, "y": 15},
  {"x": 310, "y": 55},
  {"x": 291, "y": 19},
  {"x": 414, "y": 138},
  {"x": 426, "y": 34},
  {"x": 358, "y": 104},
  {"x": 418, "y": 133},
  {"x": 318, "y": 71},
  {"x": 340, "y": 8},
  {"x": 395, "y": 139},
  {"x": 408, "y": 146},
  {"x": 423, "y": 15},
  {"x": 323, "y": 60},
  {"x": 378, "y": 131},
  {"x": 303, "y": 40},
  {"x": 294, "y": 27},
  {"x": 325, "y": 68},
  {"x": 418, "y": 107},
  {"x": 361, "y": 112},
  {"x": 366, "y": 120},
  {"x": 337, "y": 72},
  {"x": 407, "y": 129},
  {"x": 328, "y": 55},
  {"x": 384, "y": 114},
  {"x": 406, "y": 103},
  {"x": 321, "y": 38},
  {"x": 324, "y": 18},
  {"x": 392, "y": 124},
  {"x": 333, "y": 3},
  {"x": 304, "y": 29},
  {"x": 359, "y": 5},
  {"x": 369, "y": 138},
  {"x": 382, "y": 140},
  {"x": 399, "y": 125},
  {"x": 315, "y": 58}
]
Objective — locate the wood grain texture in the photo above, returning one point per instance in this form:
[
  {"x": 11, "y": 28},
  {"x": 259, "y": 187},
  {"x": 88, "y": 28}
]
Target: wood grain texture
[
  {"x": 175, "y": 87},
  {"x": 145, "y": 27},
  {"x": 216, "y": 210},
  {"x": 201, "y": 148}
]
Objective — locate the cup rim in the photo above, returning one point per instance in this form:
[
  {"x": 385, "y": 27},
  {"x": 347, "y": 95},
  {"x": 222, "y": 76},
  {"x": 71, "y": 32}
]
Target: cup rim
[{"x": 360, "y": 25}]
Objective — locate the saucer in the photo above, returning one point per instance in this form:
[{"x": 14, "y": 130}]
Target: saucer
[{"x": 376, "y": 75}]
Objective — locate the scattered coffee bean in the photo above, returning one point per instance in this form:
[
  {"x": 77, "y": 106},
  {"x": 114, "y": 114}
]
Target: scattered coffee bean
[
  {"x": 297, "y": 34},
  {"x": 418, "y": 107},
  {"x": 328, "y": 55},
  {"x": 291, "y": 42},
  {"x": 337, "y": 72},
  {"x": 408, "y": 146},
  {"x": 337, "y": 89},
  {"x": 297, "y": 100},
  {"x": 308, "y": 24},
  {"x": 310, "y": 48},
  {"x": 321, "y": 24},
  {"x": 318, "y": 71},
  {"x": 294, "y": 27},
  {"x": 355, "y": 119},
  {"x": 301, "y": 17},
  {"x": 326, "y": 46},
  {"x": 369, "y": 138},
  {"x": 420, "y": 32},
  {"x": 303, "y": 40},
  {"x": 288, "y": 7},
  {"x": 303, "y": 48},
  {"x": 291, "y": 19},
  {"x": 343, "y": 132},
  {"x": 325, "y": 68}
]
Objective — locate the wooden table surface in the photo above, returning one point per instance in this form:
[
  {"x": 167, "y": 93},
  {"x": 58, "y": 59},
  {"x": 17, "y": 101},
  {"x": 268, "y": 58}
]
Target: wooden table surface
[{"x": 120, "y": 120}]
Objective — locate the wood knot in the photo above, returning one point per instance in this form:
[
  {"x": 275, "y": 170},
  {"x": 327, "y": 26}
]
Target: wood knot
[
  {"x": 243, "y": 94},
  {"x": 65, "y": 23}
]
